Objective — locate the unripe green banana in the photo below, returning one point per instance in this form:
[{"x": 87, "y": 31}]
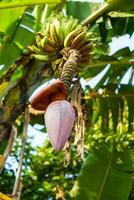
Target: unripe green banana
[
  {"x": 53, "y": 35},
  {"x": 41, "y": 57},
  {"x": 85, "y": 48},
  {"x": 68, "y": 27},
  {"x": 46, "y": 30},
  {"x": 81, "y": 44},
  {"x": 38, "y": 41},
  {"x": 33, "y": 48},
  {"x": 44, "y": 41},
  {"x": 48, "y": 47},
  {"x": 51, "y": 43},
  {"x": 77, "y": 39},
  {"x": 71, "y": 36},
  {"x": 63, "y": 33},
  {"x": 74, "y": 25},
  {"x": 59, "y": 31}
]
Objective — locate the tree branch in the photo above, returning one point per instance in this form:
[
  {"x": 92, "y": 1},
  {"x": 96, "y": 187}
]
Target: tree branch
[
  {"x": 18, "y": 174},
  {"x": 18, "y": 195},
  {"x": 9, "y": 147},
  {"x": 97, "y": 14}
]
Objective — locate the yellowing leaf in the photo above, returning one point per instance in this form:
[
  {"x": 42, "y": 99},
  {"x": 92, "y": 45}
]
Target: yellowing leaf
[
  {"x": 4, "y": 197},
  {"x": 3, "y": 86},
  {"x": 1, "y": 161},
  {"x": 13, "y": 97}
]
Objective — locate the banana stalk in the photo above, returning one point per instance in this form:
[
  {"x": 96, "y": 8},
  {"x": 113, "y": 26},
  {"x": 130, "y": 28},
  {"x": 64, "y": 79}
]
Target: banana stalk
[
  {"x": 111, "y": 5},
  {"x": 69, "y": 68}
]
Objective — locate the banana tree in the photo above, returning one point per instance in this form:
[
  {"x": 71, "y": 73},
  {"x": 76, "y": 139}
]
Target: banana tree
[{"x": 44, "y": 40}]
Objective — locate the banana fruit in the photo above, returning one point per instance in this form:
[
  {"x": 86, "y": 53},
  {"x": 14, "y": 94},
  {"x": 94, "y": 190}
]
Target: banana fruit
[
  {"x": 81, "y": 40},
  {"x": 61, "y": 32},
  {"x": 71, "y": 36},
  {"x": 52, "y": 36}
]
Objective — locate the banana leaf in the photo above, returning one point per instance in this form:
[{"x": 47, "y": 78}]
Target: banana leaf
[{"x": 105, "y": 175}]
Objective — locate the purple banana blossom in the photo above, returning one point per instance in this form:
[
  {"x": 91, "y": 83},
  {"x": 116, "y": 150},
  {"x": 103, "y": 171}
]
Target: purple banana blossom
[{"x": 59, "y": 120}]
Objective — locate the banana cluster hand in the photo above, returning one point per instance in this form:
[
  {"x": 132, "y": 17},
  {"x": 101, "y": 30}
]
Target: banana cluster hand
[
  {"x": 80, "y": 39},
  {"x": 62, "y": 32}
]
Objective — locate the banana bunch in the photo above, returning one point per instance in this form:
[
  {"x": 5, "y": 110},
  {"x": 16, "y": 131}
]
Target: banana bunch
[
  {"x": 61, "y": 32},
  {"x": 50, "y": 40},
  {"x": 81, "y": 40}
]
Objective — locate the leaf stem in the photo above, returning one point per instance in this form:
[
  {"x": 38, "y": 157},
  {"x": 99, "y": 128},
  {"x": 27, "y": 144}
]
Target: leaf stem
[
  {"x": 97, "y": 95},
  {"x": 124, "y": 61},
  {"x": 107, "y": 171},
  {"x": 98, "y": 13}
]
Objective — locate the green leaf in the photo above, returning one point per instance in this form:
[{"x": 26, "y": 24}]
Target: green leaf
[
  {"x": 3, "y": 87},
  {"x": 20, "y": 34},
  {"x": 24, "y": 3},
  {"x": 8, "y": 16},
  {"x": 24, "y": 30},
  {"x": 75, "y": 8},
  {"x": 116, "y": 74},
  {"x": 104, "y": 112},
  {"x": 130, "y": 102},
  {"x": 122, "y": 52},
  {"x": 3, "y": 146},
  {"x": 118, "y": 25},
  {"x": 91, "y": 72},
  {"x": 121, "y": 4},
  {"x": 119, "y": 63},
  {"x": 114, "y": 103},
  {"x": 126, "y": 89},
  {"x": 102, "y": 80},
  {"x": 11, "y": 99},
  {"x": 122, "y": 14},
  {"x": 96, "y": 112},
  {"x": 129, "y": 26},
  {"x": 104, "y": 176},
  {"x": 9, "y": 52},
  {"x": 122, "y": 25}
]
